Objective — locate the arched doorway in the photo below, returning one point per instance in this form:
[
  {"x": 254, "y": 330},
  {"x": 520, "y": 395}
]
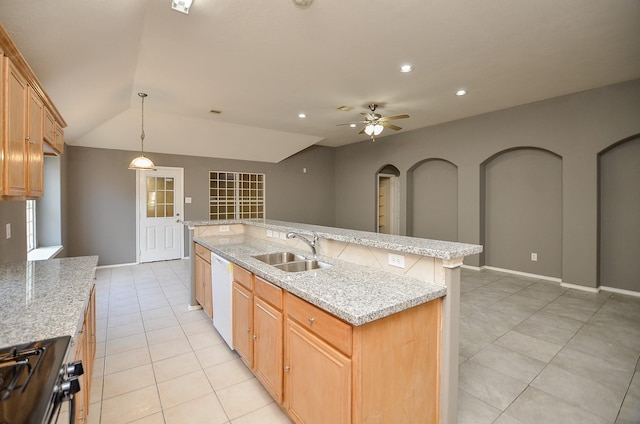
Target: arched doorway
[{"x": 388, "y": 200}]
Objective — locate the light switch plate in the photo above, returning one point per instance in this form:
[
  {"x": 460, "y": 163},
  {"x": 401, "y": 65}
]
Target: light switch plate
[
  {"x": 223, "y": 228},
  {"x": 8, "y": 231},
  {"x": 187, "y": 200}
]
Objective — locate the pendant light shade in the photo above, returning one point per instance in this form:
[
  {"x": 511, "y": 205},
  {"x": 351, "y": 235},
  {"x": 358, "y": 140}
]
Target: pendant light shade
[{"x": 142, "y": 162}]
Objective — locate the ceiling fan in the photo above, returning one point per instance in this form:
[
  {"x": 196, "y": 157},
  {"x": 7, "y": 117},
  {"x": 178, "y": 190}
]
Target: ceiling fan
[{"x": 374, "y": 123}]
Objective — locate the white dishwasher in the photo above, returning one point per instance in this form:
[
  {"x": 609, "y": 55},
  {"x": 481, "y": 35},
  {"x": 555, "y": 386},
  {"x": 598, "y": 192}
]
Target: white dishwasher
[{"x": 221, "y": 289}]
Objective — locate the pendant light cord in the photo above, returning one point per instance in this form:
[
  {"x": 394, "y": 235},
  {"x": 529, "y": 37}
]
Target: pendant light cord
[{"x": 142, "y": 95}]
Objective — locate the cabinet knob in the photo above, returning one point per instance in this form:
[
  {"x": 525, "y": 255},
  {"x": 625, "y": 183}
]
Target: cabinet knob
[
  {"x": 255, "y": 337},
  {"x": 287, "y": 368},
  {"x": 248, "y": 330},
  {"x": 311, "y": 320}
]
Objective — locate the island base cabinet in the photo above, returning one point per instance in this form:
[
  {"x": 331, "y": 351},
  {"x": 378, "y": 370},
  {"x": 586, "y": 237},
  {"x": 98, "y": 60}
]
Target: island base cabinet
[
  {"x": 317, "y": 379},
  {"x": 242, "y": 326},
  {"x": 267, "y": 350}
]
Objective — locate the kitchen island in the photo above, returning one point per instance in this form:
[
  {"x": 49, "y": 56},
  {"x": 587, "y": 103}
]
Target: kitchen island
[{"x": 362, "y": 290}]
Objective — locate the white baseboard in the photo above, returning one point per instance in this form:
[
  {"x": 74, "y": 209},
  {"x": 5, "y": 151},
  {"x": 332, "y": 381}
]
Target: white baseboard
[
  {"x": 579, "y": 287},
  {"x": 523, "y": 274},
  {"x": 621, "y": 291},
  {"x": 115, "y": 265},
  {"x": 193, "y": 307},
  {"x": 474, "y": 268}
]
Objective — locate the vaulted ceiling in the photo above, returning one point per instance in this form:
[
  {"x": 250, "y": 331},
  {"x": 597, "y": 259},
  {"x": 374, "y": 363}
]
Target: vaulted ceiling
[{"x": 263, "y": 62}]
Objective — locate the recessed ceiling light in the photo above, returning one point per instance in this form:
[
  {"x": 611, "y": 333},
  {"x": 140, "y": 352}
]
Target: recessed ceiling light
[
  {"x": 181, "y": 5},
  {"x": 406, "y": 68},
  {"x": 352, "y": 125},
  {"x": 345, "y": 108},
  {"x": 302, "y": 115},
  {"x": 461, "y": 92}
]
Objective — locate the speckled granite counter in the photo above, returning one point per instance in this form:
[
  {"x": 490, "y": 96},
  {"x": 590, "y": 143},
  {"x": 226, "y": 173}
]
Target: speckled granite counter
[
  {"x": 418, "y": 246},
  {"x": 355, "y": 293},
  {"x": 44, "y": 299}
]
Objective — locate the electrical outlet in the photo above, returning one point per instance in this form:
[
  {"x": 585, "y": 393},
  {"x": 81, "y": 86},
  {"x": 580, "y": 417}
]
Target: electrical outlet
[
  {"x": 223, "y": 228},
  {"x": 534, "y": 257},
  {"x": 396, "y": 260},
  {"x": 8, "y": 231},
  {"x": 269, "y": 233}
]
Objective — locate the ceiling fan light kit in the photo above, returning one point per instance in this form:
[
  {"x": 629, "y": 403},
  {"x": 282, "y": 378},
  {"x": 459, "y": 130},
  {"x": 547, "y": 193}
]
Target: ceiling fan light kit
[{"x": 374, "y": 123}]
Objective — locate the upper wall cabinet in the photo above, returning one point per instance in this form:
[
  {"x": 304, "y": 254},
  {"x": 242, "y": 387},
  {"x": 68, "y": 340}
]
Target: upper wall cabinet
[{"x": 30, "y": 126}]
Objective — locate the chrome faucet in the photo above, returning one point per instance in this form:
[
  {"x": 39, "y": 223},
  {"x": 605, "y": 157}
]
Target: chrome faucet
[{"x": 311, "y": 243}]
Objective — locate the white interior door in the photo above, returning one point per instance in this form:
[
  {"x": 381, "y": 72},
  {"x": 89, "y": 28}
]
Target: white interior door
[{"x": 159, "y": 211}]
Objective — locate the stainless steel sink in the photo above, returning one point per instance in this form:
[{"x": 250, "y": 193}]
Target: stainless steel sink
[
  {"x": 279, "y": 258},
  {"x": 306, "y": 265}
]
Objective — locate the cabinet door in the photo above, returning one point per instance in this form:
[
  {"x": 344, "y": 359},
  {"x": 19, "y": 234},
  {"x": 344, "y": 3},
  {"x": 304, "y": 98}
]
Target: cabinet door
[
  {"x": 267, "y": 347},
  {"x": 80, "y": 355},
  {"x": 15, "y": 147},
  {"x": 2, "y": 133},
  {"x": 243, "y": 323},
  {"x": 208, "y": 296},
  {"x": 35, "y": 111},
  {"x": 59, "y": 138},
  {"x": 317, "y": 379},
  {"x": 200, "y": 271}
]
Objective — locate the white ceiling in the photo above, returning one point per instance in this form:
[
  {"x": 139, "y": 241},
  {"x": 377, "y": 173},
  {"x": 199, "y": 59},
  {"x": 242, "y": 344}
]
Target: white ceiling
[{"x": 262, "y": 62}]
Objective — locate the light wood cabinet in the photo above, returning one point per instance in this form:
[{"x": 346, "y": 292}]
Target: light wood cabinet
[
  {"x": 268, "y": 337},
  {"x": 242, "y": 325},
  {"x": 258, "y": 328},
  {"x": 317, "y": 379},
  {"x": 15, "y": 146},
  {"x": 203, "y": 279},
  {"x": 386, "y": 370},
  {"x": 53, "y": 134},
  {"x": 35, "y": 141},
  {"x": 321, "y": 369},
  {"x": 86, "y": 351},
  {"x": 24, "y": 126}
]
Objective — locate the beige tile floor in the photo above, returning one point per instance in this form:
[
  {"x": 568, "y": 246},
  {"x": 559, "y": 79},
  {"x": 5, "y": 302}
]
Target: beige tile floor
[
  {"x": 530, "y": 352},
  {"x": 157, "y": 362}
]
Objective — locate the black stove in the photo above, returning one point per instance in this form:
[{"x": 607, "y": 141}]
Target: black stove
[{"x": 34, "y": 382}]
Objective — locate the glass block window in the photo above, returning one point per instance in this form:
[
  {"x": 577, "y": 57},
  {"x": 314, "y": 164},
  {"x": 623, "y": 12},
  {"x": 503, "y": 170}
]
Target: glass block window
[
  {"x": 236, "y": 195},
  {"x": 160, "y": 197},
  {"x": 31, "y": 225}
]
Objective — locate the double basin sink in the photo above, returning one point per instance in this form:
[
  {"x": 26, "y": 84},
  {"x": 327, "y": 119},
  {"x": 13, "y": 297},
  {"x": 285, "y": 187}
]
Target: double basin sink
[{"x": 290, "y": 262}]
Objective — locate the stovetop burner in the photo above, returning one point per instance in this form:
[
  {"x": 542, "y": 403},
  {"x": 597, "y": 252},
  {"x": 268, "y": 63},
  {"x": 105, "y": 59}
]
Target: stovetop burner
[
  {"x": 28, "y": 377},
  {"x": 16, "y": 369}
]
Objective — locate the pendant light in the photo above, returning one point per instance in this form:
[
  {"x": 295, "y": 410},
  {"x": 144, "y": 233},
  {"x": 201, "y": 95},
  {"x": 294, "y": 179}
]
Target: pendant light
[{"x": 142, "y": 162}]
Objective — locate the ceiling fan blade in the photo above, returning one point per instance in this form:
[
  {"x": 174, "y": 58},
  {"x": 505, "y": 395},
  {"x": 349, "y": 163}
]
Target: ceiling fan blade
[
  {"x": 390, "y": 126},
  {"x": 361, "y": 131},
  {"x": 389, "y": 118}
]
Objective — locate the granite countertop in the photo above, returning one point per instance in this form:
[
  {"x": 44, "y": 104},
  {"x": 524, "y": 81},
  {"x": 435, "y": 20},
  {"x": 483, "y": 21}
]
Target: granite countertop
[
  {"x": 418, "y": 246},
  {"x": 44, "y": 299},
  {"x": 354, "y": 293}
]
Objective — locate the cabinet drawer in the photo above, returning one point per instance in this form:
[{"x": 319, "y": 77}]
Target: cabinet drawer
[
  {"x": 268, "y": 292},
  {"x": 332, "y": 329},
  {"x": 243, "y": 277},
  {"x": 203, "y": 252}
]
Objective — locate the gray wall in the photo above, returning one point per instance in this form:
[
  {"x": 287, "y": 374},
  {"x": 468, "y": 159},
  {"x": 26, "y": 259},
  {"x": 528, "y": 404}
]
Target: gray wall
[
  {"x": 523, "y": 211},
  {"x": 426, "y": 218},
  {"x": 620, "y": 216},
  {"x": 14, "y": 213},
  {"x": 575, "y": 127},
  {"x": 101, "y": 195}
]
